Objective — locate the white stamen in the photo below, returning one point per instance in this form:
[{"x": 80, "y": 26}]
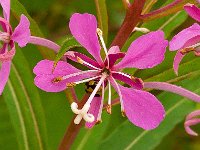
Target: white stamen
[
  {"x": 78, "y": 119},
  {"x": 74, "y": 108},
  {"x": 101, "y": 106},
  {"x": 103, "y": 77},
  {"x": 78, "y": 73},
  {"x": 81, "y": 61},
  {"x": 88, "y": 117},
  {"x": 143, "y": 30},
  {"x": 100, "y": 34},
  {"x": 120, "y": 94},
  {"x": 87, "y": 80},
  {"x": 82, "y": 114},
  {"x": 121, "y": 73},
  {"x": 109, "y": 93},
  {"x": 194, "y": 46}
]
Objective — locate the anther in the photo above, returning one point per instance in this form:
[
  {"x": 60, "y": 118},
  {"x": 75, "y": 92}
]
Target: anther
[
  {"x": 133, "y": 78},
  {"x": 187, "y": 50},
  {"x": 109, "y": 109},
  {"x": 69, "y": 85},
  {"x": 57, "y": 80},
  {"x": 80, "y": 60},
  {"x": 123, "y": 113},
  {"x": 143, "y": 30},
  {"x": 99, "y": 32},
  {"x": 98, "y": 122}
]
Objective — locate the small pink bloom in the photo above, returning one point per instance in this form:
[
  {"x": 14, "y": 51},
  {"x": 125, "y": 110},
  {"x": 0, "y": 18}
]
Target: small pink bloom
[
  {"x": 20, "y": 35},
  {"x": 141, "y": 107},
  {"x": 192, "y": 119},
  {"x": 187, "y": 40}
]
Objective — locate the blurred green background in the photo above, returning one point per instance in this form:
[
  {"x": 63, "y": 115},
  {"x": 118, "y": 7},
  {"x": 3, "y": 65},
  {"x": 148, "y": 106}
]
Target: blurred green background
[{"x": 52, "y": 110}]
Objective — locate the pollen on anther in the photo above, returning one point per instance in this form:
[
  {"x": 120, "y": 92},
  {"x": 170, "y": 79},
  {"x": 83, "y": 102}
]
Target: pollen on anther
[
  {"x": 187, "y": 50},
  {"x": 123, "y": 114},
  {"x": 69, "y": 85},
  {"x": 109, "y": 109},
  {"x": 57, "y": 79},
  {"x": 98, "y": 122},
  {"x": 80, "y": 60}
]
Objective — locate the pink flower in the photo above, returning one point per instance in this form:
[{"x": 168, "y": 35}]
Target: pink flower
[
  {"x": 192, "y": 119},
  {"x": 142, "y": 108},
  {"x": 20, "y": 35},
  {"x": 188, "y": 39}
]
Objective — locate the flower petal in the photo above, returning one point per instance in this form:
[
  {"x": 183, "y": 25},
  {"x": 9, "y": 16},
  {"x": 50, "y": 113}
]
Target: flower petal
[
  {"x": 145, "y": 52},
  {"x": 114, "y": 54},
  {"x": 45, "y": 77},
  {"x": 137, "y": 83},
  {"x": 4, "y": 74},
  {"x": 22, "y": 33},
  {"x": 45, "y": 67},
  {"x": 177, "y": 60},
  {"x": 193, "y": 11},
  {"x": 142, "y": 108},
  {"x": 185, "y": 38},
  {"x": 5, "y": 25},
  {"x": 73, "y": 56},
  {"x": 83, "y": 27},
  {"x": 7, "y": 56},
  {"x": 6, "y": 8},
  {"x": 94, "y": 110},
  {"x": 189, "y": 123}
]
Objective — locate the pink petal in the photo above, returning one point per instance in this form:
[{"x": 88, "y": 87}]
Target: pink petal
[
  {"x": 7, "y": 56},
  {"x": 193, "y": 11},
  {"x": 94, "y": 110},
  {"x": 185, "y": 38},
  {"x": 44, "y": 76},
  {"x": 73, "y": 56},
  {"x": 114, "y": 54},
  {"x": 45, "y": 67},
  {"x": 83, "y": 27},
  {"x": 189, "y": 123},
  {"x": 142, "y": 108},
  {"x": 137, "y": 83},
  {"x": 22, "y": 33},
  {"x": 5, "y": 24},
  {"x": 193, "y": 114},
  {"x": 145, "y": 52},
  {"x": 4, "y": 74},
  {"x": 177, "y": 60},
  {"x": 6, "y": 8}
]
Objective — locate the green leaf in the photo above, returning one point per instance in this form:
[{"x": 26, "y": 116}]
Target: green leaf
[
  {"x": 24, "y": 105},
  {"x": 102, "y": 17},
  {"x": 8, "y": 139},
  {"x": 68, "y": 44}
]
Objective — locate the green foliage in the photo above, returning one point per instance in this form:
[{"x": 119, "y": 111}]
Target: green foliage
[
  {"x": 32, "y": 119},
  {"x": 68, "y": 44},
  {"x": 24, "y": 105}
]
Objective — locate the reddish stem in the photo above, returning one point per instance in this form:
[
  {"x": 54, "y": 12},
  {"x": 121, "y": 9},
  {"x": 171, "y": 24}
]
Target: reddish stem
[
  {"x": 131, "y": 20},
  {"x": 72, "y": 130}
]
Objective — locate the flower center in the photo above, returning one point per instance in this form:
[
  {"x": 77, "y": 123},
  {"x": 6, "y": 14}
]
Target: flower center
[
  {"x": 106, "y": 71},
  {"x": 5, "y": 37}
]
